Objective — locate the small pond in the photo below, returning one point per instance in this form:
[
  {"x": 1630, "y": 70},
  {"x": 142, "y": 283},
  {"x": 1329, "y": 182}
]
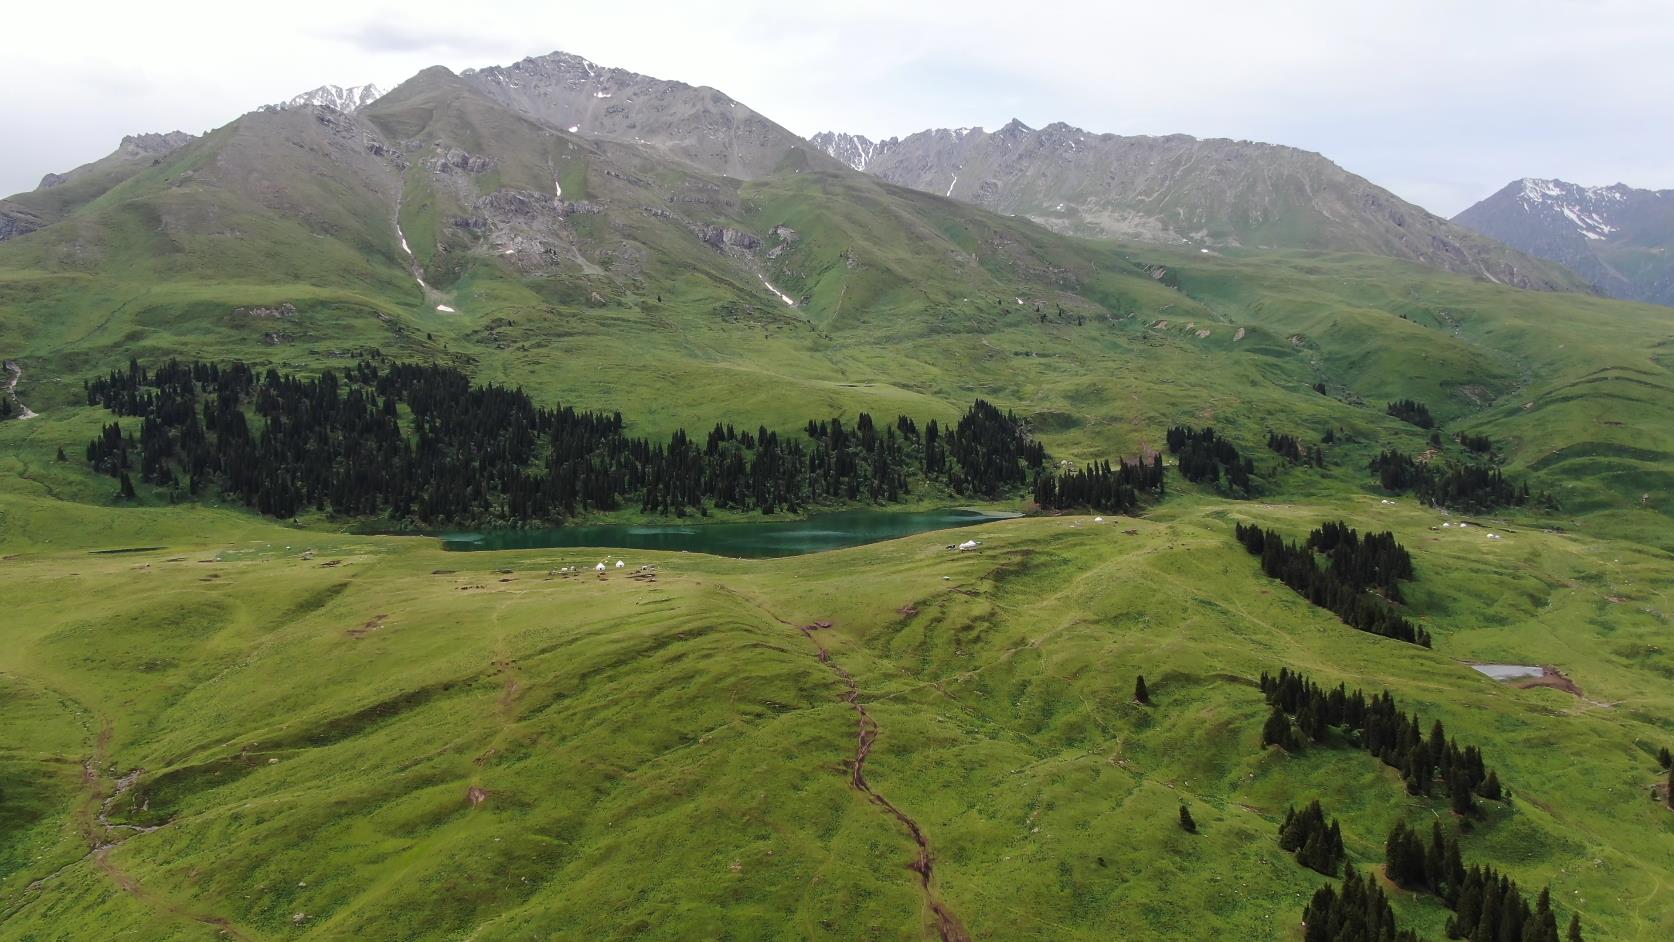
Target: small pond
[
  {"x": 1509, "y": 671},
  {"x": 751, "y": 539}
]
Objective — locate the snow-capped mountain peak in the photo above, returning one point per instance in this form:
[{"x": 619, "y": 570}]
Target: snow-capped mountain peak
[
  {"x": 349, "y": 99},
  {"x": 1616, "y": 237},
  {"x": 1586, "y": 208}
]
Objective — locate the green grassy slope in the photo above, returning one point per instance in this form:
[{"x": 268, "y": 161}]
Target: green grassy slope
[{"x": 668, "y": 759}]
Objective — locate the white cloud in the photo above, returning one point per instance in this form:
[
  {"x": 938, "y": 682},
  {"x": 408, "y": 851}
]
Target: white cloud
[{"x": 1443, "y": 101}]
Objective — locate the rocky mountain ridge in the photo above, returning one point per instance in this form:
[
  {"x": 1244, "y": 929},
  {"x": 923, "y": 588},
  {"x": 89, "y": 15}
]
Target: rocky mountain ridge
[
  {"x": 1616, "y": 237},
  {"x": 1213, "y": 193}
]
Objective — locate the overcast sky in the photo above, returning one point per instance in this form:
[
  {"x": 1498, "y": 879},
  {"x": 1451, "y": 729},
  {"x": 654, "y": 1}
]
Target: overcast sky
[{"x": 1441, "y": 102}]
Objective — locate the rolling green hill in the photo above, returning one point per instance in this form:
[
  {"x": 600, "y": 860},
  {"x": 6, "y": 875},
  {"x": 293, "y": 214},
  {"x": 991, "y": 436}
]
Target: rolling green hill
[{"x": 222, "y": 725}]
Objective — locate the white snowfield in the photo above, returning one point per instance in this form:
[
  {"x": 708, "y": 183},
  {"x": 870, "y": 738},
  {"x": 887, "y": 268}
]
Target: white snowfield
[{"x": 782, "y": 296}]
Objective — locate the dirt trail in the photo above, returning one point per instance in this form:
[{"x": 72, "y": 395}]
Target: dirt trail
[
  {"x": 948, "y": 926},
  {"x": 102, "y": 836},
  {"x": 24, "y": 412}
]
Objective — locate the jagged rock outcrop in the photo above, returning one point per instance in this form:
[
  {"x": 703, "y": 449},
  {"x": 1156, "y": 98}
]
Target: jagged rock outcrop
[{"x": 723, "y": 238}]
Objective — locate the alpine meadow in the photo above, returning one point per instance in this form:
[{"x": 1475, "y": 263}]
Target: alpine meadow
[{"x": 1318, "y": 585}]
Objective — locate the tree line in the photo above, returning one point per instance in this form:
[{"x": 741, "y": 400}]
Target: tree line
[
  {"x": 1204, "y": 457},
  {"x": 423, "y": 443},
  {"x": 1100, "y": 487},
  {"x": 1472, "y": 487},
  {"x": 1301, "y": 707},
  {"x": 1354, "y": 567},
  {"x": 1487, "y": 906}
]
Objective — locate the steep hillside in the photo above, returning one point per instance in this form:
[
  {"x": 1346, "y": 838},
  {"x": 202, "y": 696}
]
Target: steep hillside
[
  {"x": 1182, "y": 190},
  {"x": 1616, "y": 237},
  {"x": 62, "y": 193}
]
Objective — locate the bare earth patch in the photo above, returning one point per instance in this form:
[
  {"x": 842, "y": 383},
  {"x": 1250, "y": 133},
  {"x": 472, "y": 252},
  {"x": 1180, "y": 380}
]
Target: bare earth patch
[{"x": 1550, "y": 677}]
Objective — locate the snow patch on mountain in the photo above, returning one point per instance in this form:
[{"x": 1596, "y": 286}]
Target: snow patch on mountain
[
  {"x": 349, "y": 99},
  {"x": 855, "y": 150},
  {"x": 1587, "y": 208}
]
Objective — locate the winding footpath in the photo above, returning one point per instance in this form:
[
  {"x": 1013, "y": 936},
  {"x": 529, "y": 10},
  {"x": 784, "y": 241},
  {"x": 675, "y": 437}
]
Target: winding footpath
[{"x": 948, "y": 926}]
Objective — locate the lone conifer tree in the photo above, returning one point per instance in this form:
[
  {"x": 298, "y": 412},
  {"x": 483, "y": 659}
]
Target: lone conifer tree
[
  {"x": 1186, "y": 822},
  {"x": 127, "y": 492},
  {"x": 1140, "y": 693},
  {"x": 1574, "y": 928},
  {"x": 1665, "y": 758}
]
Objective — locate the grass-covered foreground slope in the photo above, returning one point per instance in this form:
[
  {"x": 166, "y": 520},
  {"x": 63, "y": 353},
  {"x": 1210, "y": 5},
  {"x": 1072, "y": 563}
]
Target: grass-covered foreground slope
[{"x": 269, "y": 733}]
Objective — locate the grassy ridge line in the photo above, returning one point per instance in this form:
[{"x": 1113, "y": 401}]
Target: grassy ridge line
[{"x": 583, "y": 709}]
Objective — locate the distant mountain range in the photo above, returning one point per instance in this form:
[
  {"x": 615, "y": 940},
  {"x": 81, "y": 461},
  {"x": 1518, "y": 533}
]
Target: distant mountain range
[
  {"x": 1177, "y": 189},
  {"x": 1616, "y": 237}
]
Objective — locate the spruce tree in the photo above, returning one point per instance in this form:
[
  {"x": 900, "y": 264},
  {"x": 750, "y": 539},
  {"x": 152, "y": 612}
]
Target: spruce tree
[
  {"x": 1664, "y": 758},
  {"x": 1186, "y": 822},
  {"x": 1574, "y": 934},
  {"x": 127, "y": 487},
  {"x": 1277, "y": 731},
  {"x": 63, "y": 457},
  {"x": 1140, "y": 693}
]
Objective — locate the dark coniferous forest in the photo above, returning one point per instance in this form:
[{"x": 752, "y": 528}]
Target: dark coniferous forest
[
  {"x": 1460, "y": 486},
  {"x": 1358, "y": 912},
  {"x": 1359, "y": 582},
  {"x": 1207, "y": 458},
  {"x": 423, "y": 444},
  {"x": 1486, "y": 904},
  {"x": 1378, "y": 726}
]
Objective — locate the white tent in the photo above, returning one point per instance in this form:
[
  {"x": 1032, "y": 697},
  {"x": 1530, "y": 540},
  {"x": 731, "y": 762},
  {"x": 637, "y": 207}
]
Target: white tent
[
  {"x": 968, "y": 545},
  {"x": 620, "y": 564},
  {"x": 599, "y": 568}
]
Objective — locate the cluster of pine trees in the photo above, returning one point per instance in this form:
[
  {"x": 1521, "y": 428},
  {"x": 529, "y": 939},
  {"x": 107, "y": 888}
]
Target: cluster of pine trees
[
  {"x": 1101, "y": 487},
  {"x": 1294, "y": 451},
  {"x": 1359, "y": 912},
  {"x": 1379, "y": 727},
  {"x": 1487, "y": 906},
  {"x": 1205, "y": 457},
  {"x": 1412, "y": 412},
  {"x": 1318, "y": 845},
  {"x": 423, "y": 443},
  {"x": 1481, "y": 444},
  {"x": 1472, "y": 487},
  {"x": 1344, "y": 586}
]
